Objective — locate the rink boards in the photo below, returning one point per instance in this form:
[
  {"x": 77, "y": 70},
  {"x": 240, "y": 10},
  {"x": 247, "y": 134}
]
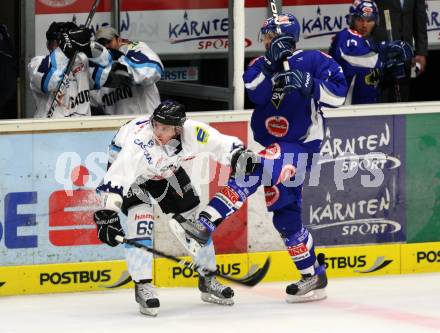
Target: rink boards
[
  {"x": 49, "y": 169},
  {"x": 353, "y": 261}
]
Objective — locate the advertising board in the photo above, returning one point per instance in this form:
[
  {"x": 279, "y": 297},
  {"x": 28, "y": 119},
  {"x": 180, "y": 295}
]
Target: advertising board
[{"x": 201, "y": 27}]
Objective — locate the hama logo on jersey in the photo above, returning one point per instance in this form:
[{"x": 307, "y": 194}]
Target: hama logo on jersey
[
  {"x": 277, "y": 126},
  {"x": 202, "y": 135},
  {"x": 142, "y": 217},
  {"x": 271, "y": 194},
  {"x": 272, "y": 152}
]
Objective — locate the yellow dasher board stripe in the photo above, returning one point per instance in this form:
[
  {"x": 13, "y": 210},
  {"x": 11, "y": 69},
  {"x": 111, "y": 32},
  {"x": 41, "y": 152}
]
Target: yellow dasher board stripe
[{"x": 349, "y": 261}]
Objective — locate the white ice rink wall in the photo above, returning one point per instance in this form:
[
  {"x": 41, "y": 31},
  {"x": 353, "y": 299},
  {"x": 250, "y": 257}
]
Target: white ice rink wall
[{"x": 49, "y": 169}]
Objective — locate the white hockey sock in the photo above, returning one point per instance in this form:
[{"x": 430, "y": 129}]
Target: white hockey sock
[{"x": 140, "y": 225}]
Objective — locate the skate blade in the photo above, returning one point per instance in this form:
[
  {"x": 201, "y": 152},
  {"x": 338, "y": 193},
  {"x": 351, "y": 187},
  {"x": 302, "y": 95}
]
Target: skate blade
[
  {"x": 189, "y": 244},
  {"x": 208, "y": 298},
  {"x": 152, "y": 312},
  {"x": 311, "y": 296}
]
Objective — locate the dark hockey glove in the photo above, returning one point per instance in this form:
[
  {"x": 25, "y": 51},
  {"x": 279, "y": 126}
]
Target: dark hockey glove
[
  {"x": 81, "y": 40},
  {"x": 407, "y": 52},
  {"x": 65, "y": 44},
  {"x": 405, "y": 55},
  {"x": 397, "y": 70},
  {"x": 109, "y": 226},
  {"x": 243, "y": 161},
  {"x": 118, "y": 76},
  {"x": 269, "y": 67},
  {"x": 394, "y": 55},
  {"x": 295, "y": 79},
  {"x": 280, "y": 48},
  {"x": 399, "y": 50}
]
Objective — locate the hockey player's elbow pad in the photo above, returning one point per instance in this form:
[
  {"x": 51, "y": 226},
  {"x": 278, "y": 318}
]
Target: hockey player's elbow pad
[{"x": 109, "y": 226}]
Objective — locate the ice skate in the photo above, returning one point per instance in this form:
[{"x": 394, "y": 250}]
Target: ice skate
[
  {"x": 214, "y": 292},
  {"x": 147, "y": 298},
  {"x": 190, "y": 244},
  {"x": 199, "y": 229},
  {"x": 309, "y": 288}
]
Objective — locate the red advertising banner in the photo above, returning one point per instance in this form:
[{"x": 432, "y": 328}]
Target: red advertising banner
[{"x": 83, "y": 6}]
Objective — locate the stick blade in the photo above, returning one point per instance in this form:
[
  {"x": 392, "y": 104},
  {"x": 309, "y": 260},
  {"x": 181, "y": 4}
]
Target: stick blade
[
  {"x": 252, "y": 279},
  {"x": 255, "y": 278}
]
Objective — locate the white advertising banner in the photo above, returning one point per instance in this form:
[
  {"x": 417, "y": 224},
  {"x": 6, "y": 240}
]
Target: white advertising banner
[{"x": 185, "y": 31}]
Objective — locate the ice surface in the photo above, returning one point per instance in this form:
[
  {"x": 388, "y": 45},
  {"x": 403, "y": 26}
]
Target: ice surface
[{"x": 397, "y": 303}]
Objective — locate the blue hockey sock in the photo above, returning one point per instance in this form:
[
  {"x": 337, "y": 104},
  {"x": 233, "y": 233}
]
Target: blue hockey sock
[
  {"x": 302, "y": 251},
  {"x": 229, "y": 199}
]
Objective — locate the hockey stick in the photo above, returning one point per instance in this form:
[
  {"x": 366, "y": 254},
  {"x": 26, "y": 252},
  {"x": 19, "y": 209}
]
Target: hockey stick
[
  {"x": 62, "y": 84},
  {"x": 273, "y": 7},
  {"x": 389, "y": 30},
  {"x": 249, "y": 281}
]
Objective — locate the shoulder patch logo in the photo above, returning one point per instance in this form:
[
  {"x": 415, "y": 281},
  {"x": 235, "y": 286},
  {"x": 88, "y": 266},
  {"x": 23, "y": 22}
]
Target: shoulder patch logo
[{"x": 202, "y": 135}]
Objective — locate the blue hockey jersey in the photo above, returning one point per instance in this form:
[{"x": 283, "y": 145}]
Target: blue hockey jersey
[
  {"x": 361, "y": 65},
  {"x": 294, "y": 117}
]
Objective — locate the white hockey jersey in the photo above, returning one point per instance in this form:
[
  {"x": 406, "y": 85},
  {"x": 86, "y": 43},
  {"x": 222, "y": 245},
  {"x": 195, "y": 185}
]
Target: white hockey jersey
[
  {"x": 45, "y": 72},
  {"x": 135, "y": 156},
  {"x": 142, "y": 97}
]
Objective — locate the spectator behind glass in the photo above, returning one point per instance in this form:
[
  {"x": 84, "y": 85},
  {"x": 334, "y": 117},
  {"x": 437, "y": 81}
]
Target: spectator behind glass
[
  {"x": 408, "y": 20},
  {"x": 8, "y": 73}
]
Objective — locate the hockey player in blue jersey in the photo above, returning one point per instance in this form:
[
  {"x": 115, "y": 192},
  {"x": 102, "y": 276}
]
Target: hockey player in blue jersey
[
  {"x": 287, "y": 121},
  {"x": 364, "y": 62}
]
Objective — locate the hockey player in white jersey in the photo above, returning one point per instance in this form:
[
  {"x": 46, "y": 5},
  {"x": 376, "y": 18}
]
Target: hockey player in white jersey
[
  {"x": 90, "y": 71},
  {"x": 145, "y": 160},
  {"x": 131, "y": 88}
]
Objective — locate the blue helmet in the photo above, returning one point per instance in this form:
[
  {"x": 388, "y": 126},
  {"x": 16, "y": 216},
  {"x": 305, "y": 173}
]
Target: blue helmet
[
  {"x": 289, "y": 25},
  {"x": 366, "y": 9}
]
